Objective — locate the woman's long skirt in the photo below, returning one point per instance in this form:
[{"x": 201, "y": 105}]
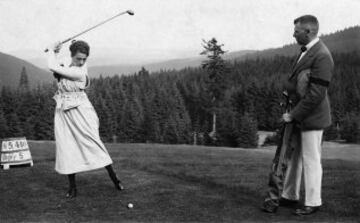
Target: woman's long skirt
[{"x": 78, "y": 144}]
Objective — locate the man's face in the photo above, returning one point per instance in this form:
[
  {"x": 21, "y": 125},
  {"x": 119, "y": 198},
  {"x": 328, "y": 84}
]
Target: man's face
[
  {"x": 79, "y": 59},
  {"x": 301, "y": 34}
]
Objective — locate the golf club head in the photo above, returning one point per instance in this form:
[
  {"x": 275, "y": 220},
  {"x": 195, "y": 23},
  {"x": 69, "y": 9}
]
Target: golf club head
[{"x": 130, "y": 12}]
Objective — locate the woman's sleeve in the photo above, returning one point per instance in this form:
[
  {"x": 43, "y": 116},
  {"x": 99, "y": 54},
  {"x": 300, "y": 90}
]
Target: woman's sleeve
[{"x": 72, "y": 73}]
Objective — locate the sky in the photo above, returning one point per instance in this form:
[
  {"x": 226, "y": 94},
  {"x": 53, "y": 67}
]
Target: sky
[{"x": 163, "y": 29}]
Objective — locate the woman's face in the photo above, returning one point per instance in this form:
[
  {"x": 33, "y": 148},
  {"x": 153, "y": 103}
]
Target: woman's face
[{"x": 79, "y": 59}]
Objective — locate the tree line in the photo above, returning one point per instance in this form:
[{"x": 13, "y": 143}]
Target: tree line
[{"x": 177, "y": 106}]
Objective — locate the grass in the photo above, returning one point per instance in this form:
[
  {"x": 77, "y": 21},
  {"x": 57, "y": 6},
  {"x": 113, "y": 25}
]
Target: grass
[{"x": 169, "y": 183}]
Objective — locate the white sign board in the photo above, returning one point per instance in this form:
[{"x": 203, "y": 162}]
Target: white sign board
[{"x": 15, "y": 151}]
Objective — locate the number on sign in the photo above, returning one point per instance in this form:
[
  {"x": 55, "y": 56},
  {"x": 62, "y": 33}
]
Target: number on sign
[
  {"x": 5, "y": 146},
  {"x": 11, "y": 146},
  {"x": 8, "y": 157},
  {"x": 21, "y": 155}
]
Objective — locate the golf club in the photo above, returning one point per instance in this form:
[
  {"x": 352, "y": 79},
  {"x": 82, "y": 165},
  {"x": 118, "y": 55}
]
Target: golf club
[{"x": 130, "y": 12}]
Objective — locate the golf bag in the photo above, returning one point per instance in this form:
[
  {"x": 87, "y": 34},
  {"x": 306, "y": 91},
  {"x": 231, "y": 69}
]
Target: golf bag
[{"x": 288, "y": 141}]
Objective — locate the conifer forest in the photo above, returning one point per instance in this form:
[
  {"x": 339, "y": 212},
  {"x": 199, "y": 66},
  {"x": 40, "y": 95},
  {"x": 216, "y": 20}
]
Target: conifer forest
[{"x": 179, "y": 106}]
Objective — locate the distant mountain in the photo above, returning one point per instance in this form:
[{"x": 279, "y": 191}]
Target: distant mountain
[
  {"x": 176, "y": 64},
  {"x": 343, "y": 41},
  {"x": 111, "y": 70},
  {"x": 10, "y": 70},
  {"x": 123, "y": 69},
  {"x": 35, "y": 57}
]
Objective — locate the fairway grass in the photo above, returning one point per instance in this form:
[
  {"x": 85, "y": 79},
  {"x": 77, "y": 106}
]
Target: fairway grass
[{"x": 172, "y": 183}]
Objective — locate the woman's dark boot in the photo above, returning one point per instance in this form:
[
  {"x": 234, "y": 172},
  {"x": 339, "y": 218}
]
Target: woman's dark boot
[
  {"x": 114, "y": 178},
  {"x": 72, "y": 192}
]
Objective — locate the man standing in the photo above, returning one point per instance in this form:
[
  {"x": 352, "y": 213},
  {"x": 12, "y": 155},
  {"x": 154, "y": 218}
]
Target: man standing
[{"x": 311, "y": 113}]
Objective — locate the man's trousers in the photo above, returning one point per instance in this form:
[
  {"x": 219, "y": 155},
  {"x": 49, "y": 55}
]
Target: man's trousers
[{"x": 306, "y": 161}]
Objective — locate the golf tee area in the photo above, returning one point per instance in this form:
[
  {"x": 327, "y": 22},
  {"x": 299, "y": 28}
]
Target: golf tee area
[{"x": 173, "y": 183}]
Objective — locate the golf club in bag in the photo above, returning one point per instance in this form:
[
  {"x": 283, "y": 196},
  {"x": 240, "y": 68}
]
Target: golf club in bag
[{"x": 288, "y": 141}]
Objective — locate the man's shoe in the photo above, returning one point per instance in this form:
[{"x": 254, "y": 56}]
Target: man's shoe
[
  {"x": 269, "y": 206},
  {"x": 306, "y": 210},
  {"x": 288, "y": 203}
]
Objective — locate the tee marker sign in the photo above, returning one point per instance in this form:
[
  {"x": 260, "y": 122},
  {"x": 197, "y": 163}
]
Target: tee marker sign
[{"x": 15, "y": 151}]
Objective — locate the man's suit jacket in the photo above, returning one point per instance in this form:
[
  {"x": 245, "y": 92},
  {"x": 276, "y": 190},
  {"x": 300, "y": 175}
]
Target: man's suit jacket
[{"x": 312, "y": 107}]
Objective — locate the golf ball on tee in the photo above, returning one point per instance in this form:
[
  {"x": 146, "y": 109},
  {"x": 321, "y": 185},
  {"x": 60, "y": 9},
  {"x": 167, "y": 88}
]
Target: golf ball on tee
[{"x": 130, "y": 205}]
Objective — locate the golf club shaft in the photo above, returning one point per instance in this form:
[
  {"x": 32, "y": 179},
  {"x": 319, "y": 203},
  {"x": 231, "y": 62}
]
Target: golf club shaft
[{"x": 93, "y": 27}]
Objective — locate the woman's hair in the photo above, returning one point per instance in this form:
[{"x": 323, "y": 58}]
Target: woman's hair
[{"x": 79, "y": 46}]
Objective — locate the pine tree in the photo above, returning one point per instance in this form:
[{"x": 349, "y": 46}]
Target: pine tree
[
  {"x": 44, "y": 117},
  {"x": 4, "y": 130},
  {"x": 9, "y": 100},
  {"x": 332, "y": 132},
  {"x": 104, "y": 118},
  {"x": 24, "y": 81},
  {"x": 14, "y": 126},
  {"x": 156, "y": 114},
  {"x": 180, "y": 115},
  {"x": 132, "y": 121},
  {"x": 216, "y": 68},
  {"x": 171, "y": 133},
  {"x": 227, "y": 128},
  {"x": 143, "y": 73},
  {"x": 27, "y": 110},
  {"x": 350, "y": 130},
  {"x": 247, "y": 132}
]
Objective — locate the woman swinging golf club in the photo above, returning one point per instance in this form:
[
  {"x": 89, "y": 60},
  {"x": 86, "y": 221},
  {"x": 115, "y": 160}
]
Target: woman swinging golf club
[{"x": 78, "y": 144}]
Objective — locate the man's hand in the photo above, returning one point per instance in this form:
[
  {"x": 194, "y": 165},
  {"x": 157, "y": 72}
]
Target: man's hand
[{"x": 287, "y": 117}]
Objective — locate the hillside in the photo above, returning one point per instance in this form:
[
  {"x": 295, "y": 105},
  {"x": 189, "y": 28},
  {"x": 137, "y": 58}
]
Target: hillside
[
  {"x": 10, "y": 69},
  {"x": 176, "y": 64},
  {"x": 110, "y": 70},
  {"x": 343, "y": 41}
]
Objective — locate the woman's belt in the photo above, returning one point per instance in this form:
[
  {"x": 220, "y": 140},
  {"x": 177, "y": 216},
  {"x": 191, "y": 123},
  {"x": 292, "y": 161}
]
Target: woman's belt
[{"x": 69, "y": 100}]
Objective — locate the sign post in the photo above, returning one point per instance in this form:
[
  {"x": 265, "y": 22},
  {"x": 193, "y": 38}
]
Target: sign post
[{"x": 15, "y": 151}]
